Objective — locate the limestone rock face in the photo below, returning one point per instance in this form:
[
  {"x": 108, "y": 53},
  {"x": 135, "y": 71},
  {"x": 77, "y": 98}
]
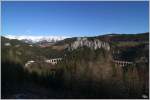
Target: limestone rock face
[{"x": 93, "y": 44}]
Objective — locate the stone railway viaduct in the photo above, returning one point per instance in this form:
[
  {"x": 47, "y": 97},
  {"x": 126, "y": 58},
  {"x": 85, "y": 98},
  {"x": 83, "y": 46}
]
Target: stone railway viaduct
[
  {"x": 117, "y": 59},
  {"x": 115, "y": 55},
  {"x": 56, "y": 60},
  {"x": 53, "y": 61},
  {"x": 122, "y": 63}
]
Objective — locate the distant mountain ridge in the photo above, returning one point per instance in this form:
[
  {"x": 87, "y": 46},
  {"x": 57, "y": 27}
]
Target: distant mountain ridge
[
  {"x": 106, "y": 37},
  {"x": 75, "y": 42},
  {"x": 35, "y": 39}
]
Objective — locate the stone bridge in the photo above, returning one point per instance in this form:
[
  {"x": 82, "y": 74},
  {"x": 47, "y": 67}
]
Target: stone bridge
[
  {"x": 53, "y": 61},
  {"x": 122, "y": 63}
]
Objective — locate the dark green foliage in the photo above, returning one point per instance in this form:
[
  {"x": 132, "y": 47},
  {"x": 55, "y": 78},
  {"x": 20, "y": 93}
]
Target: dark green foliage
[
  {"x": 78, "y": 68},
  {"x": 13, "y": 42},
  {"x": 83, "y": 73},
  {"x": 140, "y": 37},
  {"x": 24, "y": 52},
  {"x": 15, "y": 78},
  {"x": 12, "y": 76}
]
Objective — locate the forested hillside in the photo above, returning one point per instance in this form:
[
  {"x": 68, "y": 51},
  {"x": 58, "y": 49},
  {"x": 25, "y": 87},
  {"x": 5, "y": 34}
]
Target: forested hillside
[{"x": 88, "y": 68}]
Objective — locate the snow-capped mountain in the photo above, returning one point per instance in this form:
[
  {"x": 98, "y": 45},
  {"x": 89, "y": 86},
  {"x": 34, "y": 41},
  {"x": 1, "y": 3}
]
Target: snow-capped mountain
[{"x": 35, "y": 39}]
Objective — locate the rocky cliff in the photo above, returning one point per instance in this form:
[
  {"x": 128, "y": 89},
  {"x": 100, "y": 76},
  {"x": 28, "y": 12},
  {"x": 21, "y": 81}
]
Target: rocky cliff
[{"x": 93, "y": 44}]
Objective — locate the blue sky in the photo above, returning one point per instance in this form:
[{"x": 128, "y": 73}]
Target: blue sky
[{"x": 74, "y": 18}]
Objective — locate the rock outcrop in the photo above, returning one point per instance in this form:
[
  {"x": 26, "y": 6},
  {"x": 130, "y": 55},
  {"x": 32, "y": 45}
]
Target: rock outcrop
[{"x": 93, "y": 44}]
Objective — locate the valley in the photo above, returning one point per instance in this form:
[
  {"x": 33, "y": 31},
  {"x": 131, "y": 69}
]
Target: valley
[{"x": 79, "y": 67}]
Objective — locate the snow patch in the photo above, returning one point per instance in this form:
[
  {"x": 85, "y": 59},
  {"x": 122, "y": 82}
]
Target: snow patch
[{"x": 36, "y": 38}]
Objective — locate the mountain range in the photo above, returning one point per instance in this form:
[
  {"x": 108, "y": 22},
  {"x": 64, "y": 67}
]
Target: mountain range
[
  {"x": 108, "y": 37},
  {"x": 115, "y": 39},
  {"x": 35, "y": 39}
]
